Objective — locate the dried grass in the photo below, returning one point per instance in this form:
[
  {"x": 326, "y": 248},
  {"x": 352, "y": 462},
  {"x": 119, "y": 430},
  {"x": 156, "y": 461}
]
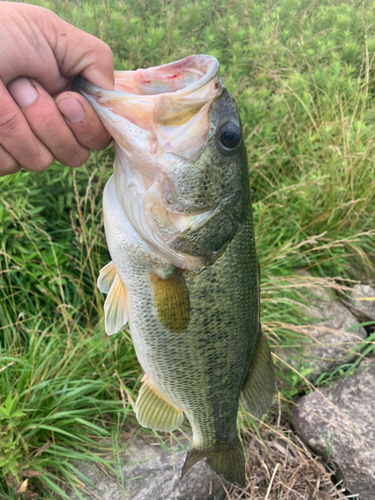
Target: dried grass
[{"x": 280, "y": 467}]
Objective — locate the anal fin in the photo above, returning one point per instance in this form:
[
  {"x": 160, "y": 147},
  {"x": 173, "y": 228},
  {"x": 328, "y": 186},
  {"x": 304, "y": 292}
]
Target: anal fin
[
  {"x": 259, "y": 388},
  {"x": 154, "y": 411}
]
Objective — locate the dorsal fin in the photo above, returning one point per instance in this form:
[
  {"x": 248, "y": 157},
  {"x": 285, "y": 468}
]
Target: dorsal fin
[{"x": 259, "y": 388}]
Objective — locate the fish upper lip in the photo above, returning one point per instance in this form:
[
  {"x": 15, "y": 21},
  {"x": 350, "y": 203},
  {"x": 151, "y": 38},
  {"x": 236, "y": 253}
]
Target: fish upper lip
[{"x": 82, "y": 85}]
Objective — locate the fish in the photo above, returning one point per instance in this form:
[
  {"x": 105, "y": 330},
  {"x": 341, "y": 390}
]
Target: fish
[{"x": 184, "y": 272}]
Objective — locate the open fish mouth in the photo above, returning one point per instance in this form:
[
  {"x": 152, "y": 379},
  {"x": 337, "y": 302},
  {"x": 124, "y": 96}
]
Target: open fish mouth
[
  {"x": 183, "y": 78},
  {"x": 168, "y": 103}
]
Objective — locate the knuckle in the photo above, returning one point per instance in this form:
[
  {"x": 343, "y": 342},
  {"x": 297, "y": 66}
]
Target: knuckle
[
  {"x": 104, "y": 53},
  {"x": 10, "y": 122},
  {"x": 79, "y": 158},
  {"x": 8, "y": 165},
  {"x": 95, "y": 138},
  {"x": 7, "y": 170},
  {"x": 107, "y": 51},
  {"x": 49, "y": 123},
  {"x": 100, "y": 141},
  {"x": 40, "y": 161}
]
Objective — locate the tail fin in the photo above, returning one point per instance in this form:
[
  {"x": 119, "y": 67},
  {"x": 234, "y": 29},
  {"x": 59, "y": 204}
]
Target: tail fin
[{"x": 227, "y": 460}]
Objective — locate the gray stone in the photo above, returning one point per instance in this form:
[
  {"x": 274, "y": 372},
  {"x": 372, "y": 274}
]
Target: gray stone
[
  {"x": 150, "y": 472},
  {"x": 331, "y": 333},
  {"x": 338, "y": 422},
  {"x": 365, "y": 307}
]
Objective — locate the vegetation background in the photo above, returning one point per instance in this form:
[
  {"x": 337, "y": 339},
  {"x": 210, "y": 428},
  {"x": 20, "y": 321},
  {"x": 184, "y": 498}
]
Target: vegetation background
[{"x": 302, "y": 73}]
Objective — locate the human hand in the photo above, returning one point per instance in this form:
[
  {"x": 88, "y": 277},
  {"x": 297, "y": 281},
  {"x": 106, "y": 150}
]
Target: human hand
[{"x": 41, "y": 119}]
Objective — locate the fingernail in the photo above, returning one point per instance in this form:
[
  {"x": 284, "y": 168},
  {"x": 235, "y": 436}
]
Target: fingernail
[
  {"x": 71, "y": 110},
  {"x": 23, "y": 91}
]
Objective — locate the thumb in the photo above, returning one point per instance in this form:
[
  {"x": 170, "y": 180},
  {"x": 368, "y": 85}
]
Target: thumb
[{"x": 77, "y": 52}]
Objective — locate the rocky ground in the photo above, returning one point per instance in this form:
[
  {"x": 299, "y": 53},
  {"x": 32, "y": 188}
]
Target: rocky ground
[
  {"x": 337, "y": 419},
  {"x": 147, "y": 466},
  {"x": 337, "y": 422},
  {"x": 329, "y": 453}
]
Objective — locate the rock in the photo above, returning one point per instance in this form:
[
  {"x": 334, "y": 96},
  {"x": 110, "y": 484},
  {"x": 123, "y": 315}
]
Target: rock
[
  {"x": 365, "y": 307},
  {"x": 331, "y": 344},
  {"x": 339, "y": 423},
  {"x": 150, "y": 472}
]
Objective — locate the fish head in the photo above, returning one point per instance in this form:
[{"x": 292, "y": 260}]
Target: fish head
[{"x": 180, "y": 169}]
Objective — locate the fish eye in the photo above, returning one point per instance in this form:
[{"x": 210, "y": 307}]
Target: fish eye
[{"x": 230, "y": 135}]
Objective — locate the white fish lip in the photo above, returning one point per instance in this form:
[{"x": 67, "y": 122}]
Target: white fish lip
[{"x": 85, "y": 87}]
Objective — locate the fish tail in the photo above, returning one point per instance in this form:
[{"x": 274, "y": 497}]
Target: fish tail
[{"x": 227, "y": 460}]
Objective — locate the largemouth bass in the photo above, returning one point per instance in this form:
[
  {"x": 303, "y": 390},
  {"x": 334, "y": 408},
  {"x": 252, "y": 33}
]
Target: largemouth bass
[{"x": 184, "y": 272}]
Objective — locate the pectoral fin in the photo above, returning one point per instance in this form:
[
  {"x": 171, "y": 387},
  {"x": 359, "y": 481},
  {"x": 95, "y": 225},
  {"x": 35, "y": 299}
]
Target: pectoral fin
[
  {"x": 116, "y": 307},
  {"x": 154, "y": 411},
  {"x": 171, "y": 298},
  {"x": 259, "y": 388},
  {"x": 106, "y": 277}
]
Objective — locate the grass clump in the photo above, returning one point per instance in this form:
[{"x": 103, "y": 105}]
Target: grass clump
[{"x": 302, "y": 74}]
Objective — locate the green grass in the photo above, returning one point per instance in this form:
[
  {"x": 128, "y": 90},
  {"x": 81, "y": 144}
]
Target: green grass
[{"x": 302, "y": 74}]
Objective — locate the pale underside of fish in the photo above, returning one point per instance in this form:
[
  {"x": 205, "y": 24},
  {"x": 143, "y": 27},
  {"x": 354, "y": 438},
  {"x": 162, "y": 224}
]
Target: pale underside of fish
[{"x": 184, "y": 272}]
